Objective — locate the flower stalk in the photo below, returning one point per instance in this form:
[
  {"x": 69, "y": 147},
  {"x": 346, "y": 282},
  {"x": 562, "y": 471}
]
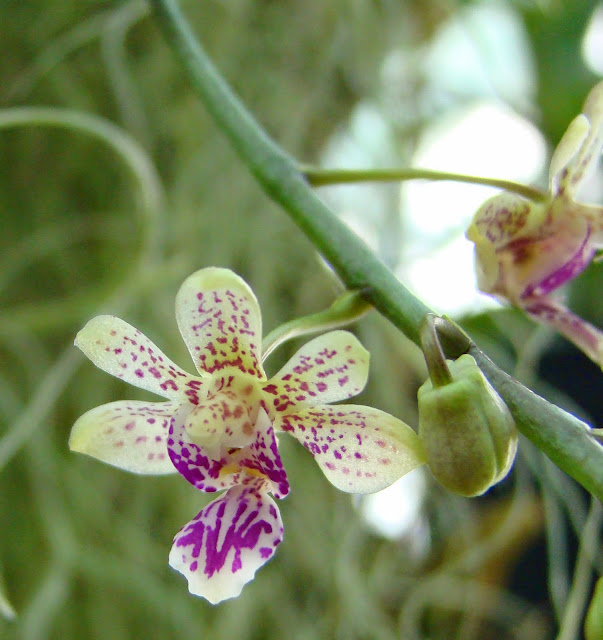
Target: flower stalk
[
  {"x": 320, "y": 177},
  {"x": 438, "y": 370}
]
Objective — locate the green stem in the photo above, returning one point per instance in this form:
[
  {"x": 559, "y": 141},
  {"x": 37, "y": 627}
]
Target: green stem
[
  {"x": 438, "y": 370},
  {"x": 565, "y": 440},
  {"x": 280, "y": 178},
  {"x": 319, "y": 177}
]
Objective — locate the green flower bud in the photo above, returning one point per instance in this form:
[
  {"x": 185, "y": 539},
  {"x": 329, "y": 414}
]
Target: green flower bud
[{"x": 466, "y": 429}]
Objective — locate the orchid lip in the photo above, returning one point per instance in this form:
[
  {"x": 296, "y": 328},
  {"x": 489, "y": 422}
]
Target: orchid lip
[{"x": 575, "y": 265}]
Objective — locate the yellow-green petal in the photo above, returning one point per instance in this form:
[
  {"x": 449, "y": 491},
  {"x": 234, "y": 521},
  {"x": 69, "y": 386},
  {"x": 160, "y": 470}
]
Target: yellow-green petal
[
  {"x": 580, "y": 146},
  {"x": 131, "y": 435}
]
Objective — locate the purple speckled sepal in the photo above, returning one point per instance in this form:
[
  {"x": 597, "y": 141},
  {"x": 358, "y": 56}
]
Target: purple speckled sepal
[
  {"x": 220, "y": 550},
  {"x": 220, "y": 321},
  {"x": 359, "y": 449},
  {"x": 123, "y": 351}
]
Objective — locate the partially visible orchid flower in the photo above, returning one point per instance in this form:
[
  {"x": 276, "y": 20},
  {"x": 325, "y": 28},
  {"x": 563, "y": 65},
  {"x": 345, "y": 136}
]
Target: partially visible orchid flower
[
  {"x": 525, "y": 250},
  {"x": 217, "y": 429}
]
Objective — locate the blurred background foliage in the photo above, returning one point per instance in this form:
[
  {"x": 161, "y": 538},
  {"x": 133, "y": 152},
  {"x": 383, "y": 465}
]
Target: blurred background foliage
[{"x": 83, "y": 547}]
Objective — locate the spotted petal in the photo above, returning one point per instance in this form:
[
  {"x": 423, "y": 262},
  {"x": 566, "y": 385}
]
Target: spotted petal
[
  {"x": 329, "y": 368},
  {"x": 220, "y": 321},
  {"x": 126, "y": 353},
  {"x": 130, "y": 435},
  {"x": 220, "y": 550},
  {"x": 359, "y": 449}
]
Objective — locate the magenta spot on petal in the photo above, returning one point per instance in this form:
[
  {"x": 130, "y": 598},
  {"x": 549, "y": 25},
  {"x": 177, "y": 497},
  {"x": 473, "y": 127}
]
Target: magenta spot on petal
[
  {"x": 194, "y": 566},
  {"x": 129, "y": 426},
  {"x": 271, "y": 388},
  {"x": 330, "y": 465},
  {"x": 265, "y": 552},
  {"x": 139, "y": 373}
]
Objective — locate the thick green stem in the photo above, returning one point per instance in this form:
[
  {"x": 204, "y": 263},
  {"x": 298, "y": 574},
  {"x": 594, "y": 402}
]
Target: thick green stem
[
  {"x": 565, "y": 440},
  {"x": 319, "y": 177}
]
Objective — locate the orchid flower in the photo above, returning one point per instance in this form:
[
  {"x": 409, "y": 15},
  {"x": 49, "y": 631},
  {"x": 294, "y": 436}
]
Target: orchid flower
[
  {"x": 525, "y": 250},
  {"x": 218, "y": 429}
]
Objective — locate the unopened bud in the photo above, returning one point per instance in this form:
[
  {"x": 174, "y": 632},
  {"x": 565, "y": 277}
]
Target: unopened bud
[{"x": 466, "y": 429}]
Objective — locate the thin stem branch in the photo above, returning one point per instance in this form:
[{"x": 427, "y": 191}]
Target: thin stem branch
[
  {"x": 319, "y": 177},
  {"x": 576, "y": 603},
  {"x": 347, "y": 308},
  {"x": 564, "y": 438}
]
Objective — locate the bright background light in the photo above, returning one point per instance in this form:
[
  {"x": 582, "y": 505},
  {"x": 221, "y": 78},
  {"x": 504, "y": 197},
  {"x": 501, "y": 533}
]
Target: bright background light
[
  {"x": 395, "y": 512},
  {"x": 592, "y": 45},
  {"x": 487, "y": 139}
]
